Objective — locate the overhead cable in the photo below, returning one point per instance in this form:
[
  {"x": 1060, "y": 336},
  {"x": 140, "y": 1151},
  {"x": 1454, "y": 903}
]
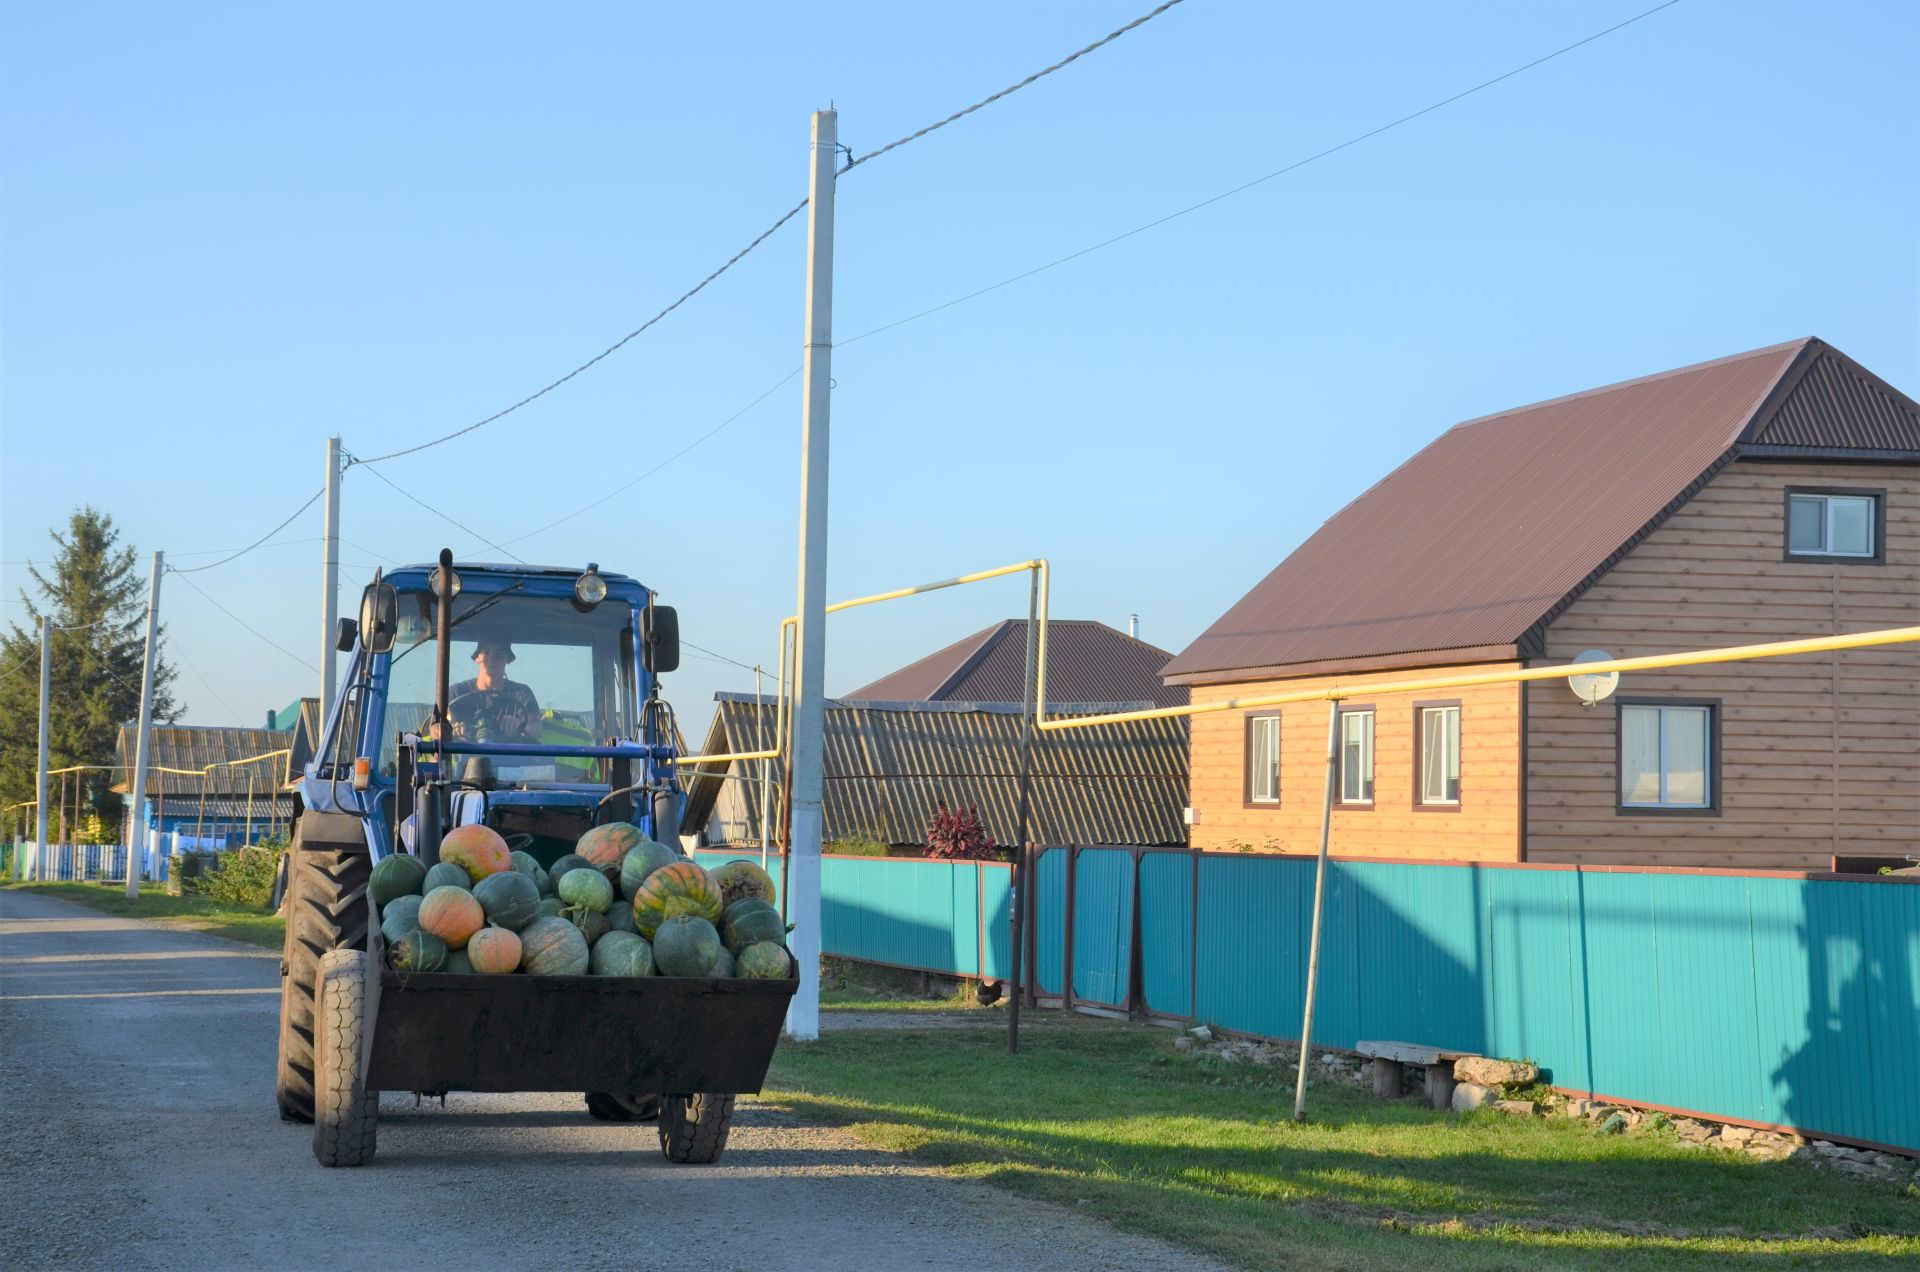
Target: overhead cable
[
  {"x": 1261, "y": 180},
  {"x": 685, "y": 296},
  {"x": 243, "y": 622},
  {"x": 1068, "y": 60},
  {"x": 311, "y": 500},
  {"x": 622, "y": 489},
  {"x": 444, "y": 517}
]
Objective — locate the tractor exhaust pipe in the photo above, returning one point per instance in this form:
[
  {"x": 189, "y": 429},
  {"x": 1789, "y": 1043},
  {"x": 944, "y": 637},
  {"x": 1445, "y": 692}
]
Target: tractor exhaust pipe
[{"x": 432, "y": 810}]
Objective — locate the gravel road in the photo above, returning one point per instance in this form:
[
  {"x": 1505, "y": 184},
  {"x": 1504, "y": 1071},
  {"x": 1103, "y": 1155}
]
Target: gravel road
[{"x": 137, "y": 1130}]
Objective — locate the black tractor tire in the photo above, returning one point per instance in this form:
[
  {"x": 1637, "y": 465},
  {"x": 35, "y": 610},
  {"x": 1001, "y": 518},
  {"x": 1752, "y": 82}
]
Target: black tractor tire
[
  {"x": 326, "y": 908},
  {"x": 693, "y": 1128},
  {"x": 346, "y": 1115},
  {"x": 604, "y": 1106}
]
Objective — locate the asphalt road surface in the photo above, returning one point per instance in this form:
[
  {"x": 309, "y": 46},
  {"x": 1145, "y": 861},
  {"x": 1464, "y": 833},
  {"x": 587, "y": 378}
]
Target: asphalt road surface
[{"x": 137, "y": 1130}]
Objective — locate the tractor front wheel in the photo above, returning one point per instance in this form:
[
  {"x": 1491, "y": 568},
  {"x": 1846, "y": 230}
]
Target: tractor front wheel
[{"x": 346, "y": 1115}]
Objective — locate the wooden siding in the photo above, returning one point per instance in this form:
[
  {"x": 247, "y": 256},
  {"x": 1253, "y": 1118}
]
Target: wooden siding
[
  {"x": 1819, "y": 755},
  {"x": 1486, "y": 827}
]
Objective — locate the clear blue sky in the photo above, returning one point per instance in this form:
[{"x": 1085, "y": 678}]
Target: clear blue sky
[{"x": 232, "y": 230}]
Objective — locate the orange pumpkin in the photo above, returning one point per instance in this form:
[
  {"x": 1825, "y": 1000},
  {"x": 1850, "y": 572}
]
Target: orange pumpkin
[
  {"x": 451, "y": 913},
  {"x": 494, "y": 951},
  {"x": 478, "y": 850}
]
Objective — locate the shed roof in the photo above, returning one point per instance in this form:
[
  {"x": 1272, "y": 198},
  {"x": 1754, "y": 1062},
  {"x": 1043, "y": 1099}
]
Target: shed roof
[
  {"x": 1473, "y": 545},
  {"x": 1087, "y": 661},
  {"x": 888, "y": 764},
  {"x": 194, "y": 746}
]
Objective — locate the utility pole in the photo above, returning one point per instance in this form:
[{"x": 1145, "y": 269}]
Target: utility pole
[
  {"x": 810, "y": 641},
  {"x": 137, "y": 788},
  {"x": 330, "y": 577},
  {"x": 40, "y": 782}
]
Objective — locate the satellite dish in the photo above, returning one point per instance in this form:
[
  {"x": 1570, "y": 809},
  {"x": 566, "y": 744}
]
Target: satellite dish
[{"x": 1593, "y": 687}]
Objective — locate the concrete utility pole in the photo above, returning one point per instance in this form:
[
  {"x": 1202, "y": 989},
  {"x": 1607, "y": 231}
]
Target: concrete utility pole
[
  {"x": 39, "y": 870},
  {"x": 330, "y": 576},
  {"x": 810, "y": 642},
  {"x": 137, "y": 788}
]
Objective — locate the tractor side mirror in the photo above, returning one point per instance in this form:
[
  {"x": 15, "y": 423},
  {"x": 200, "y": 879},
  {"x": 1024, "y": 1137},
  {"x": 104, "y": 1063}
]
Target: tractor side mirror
[
  {"x": 347, "y": 633},
  {"x": 379, "y": 617},
  {"x": 660, "y": 639}
]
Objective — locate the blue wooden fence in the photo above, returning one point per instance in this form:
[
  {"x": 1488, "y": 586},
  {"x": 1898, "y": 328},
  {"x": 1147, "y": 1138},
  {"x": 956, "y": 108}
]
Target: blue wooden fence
[{"x": 1774, "y": 999}]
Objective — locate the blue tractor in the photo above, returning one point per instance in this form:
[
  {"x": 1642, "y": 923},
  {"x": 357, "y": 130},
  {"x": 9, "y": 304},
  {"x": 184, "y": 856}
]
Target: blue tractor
[{"x": 552, "y": 724}]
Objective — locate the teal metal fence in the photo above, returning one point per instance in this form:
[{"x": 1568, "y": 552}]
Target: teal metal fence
[{"x": 1775, "y": 999}]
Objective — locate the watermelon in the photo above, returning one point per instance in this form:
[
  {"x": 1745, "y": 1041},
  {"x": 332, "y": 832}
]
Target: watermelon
[
  {"x": 738, "y": 880},
  {"x": 723, "y": 965},
  {"x": 509, "y": 899},
  {"x": 620, "y": 954},
  {"x": 686, "y": 945},
  {"x": 446, "y": 875},
  {"x": 553, "y": 947},
  {"x": 605, "y": 847},
  {"x": 572, "y": 861},
  {"x": 458, "y": 963},
  {"x": 451, "y": 914},
  {"x": 417, "y": 951},
  {"x": 494, "y": 951},
  {"x": 401, "y": 916},
  {"x": 478, "y": 850},
  {"x": 550, "y": 907},
  {"x": 586, "y": 890},
  {"x": 681, "y": 888},
  {"x": 620, "y": 917},
  {"x": 395, "y": 876},
  {"x": 764, "y": 961},
  {"x": 642, "y": 860},
  {"x": 524, "y": 863},
  {"x": 592, "y": 924},
  {"x": 746, "y": 925}
]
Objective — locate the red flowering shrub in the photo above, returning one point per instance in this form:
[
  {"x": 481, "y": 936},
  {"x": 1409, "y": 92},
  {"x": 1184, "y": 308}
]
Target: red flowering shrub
[{"x": 956, "y": 834}]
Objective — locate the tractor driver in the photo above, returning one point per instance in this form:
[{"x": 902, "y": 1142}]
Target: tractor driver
[{"x": 498, "y": 709}]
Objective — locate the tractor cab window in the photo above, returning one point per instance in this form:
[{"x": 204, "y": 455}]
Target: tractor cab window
[{"x": 523, "y": 669}]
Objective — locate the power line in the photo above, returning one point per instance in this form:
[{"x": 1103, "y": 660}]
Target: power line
[
  {"x": 257, "y": 542},
  {"x": 685, "y": 296},
  {"x": 760, "y": 238},
  {"x": 1261, "y": 180},
  {"x": 717, "y": 656},
  {"x": 444, "y": 517},
  {"x": 224, "y": 705},
  {"x": 243, "y": 622},
  {"x": 622, "y": 489},
  {"x": 1109, "y": 38}
]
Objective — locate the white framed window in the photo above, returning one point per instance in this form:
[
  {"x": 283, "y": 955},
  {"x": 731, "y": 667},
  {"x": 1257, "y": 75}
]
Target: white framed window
[
  {"x": 1667, "y": 753},
  {"x": 1833, "y": 523},
  {"x": 1439, "y": 765},
  {"x": 1356, "y": 756},
  {"x": 1263, "y": 759}
]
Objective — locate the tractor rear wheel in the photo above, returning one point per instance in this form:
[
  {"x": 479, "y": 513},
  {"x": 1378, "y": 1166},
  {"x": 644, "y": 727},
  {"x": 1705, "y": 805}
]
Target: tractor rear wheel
[
  {"x": 693, "y": 1128},
  {"x": 326, "y": 910}
]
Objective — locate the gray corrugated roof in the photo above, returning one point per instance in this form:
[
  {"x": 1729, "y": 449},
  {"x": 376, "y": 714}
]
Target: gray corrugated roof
[
  {"x": 1087, "y": 661},
  {"x": 1491, "y": 529},
  {"x": 888, "y": 764},
  {"x": 189, "y": 746}
]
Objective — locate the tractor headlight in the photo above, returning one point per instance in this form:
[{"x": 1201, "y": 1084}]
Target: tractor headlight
[
  {"x": 590, "y": 588},
  {"x": 434, "y": 582}
]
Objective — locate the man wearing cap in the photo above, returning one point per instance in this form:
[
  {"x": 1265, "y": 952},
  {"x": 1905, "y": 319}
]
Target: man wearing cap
[{"x": 497, "y": 709}]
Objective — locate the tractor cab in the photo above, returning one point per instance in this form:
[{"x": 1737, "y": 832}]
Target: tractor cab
[{"x": 528, "y": 701}]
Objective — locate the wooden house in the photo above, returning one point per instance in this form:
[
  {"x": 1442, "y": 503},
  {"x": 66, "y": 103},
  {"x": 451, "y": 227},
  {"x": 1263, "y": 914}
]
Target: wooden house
[{"x": 1766, "y": 496}]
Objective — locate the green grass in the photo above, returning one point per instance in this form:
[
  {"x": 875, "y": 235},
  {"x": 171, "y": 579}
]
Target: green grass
[
  {"x": 1110, "y": 1119},
  {"x": 203, "y": 914},
  {"x": 865, "y": 987}
]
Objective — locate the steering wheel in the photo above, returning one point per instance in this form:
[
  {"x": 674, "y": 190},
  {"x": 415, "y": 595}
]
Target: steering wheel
[{"x": 468, "y": 712}]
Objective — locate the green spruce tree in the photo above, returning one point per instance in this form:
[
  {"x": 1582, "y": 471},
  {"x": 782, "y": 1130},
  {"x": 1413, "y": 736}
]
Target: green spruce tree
[{"x": 97, "y": 600}]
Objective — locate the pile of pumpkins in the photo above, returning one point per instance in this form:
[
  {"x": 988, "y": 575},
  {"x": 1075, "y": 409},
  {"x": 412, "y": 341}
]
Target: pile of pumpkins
[{"x": 620, "y": 904}]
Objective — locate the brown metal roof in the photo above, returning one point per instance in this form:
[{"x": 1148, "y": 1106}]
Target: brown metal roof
[
  {"x": 889, "y": 764},
  {"x": 1086, "y": 662},
  {"x": 1481, "y": 537}
]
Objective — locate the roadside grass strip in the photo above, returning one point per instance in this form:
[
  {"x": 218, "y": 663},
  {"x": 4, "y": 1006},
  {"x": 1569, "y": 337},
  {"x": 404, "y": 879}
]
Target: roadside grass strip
[
  {"x": 1109, "y": 1118},
  {"x": 198, "y": 914}
]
